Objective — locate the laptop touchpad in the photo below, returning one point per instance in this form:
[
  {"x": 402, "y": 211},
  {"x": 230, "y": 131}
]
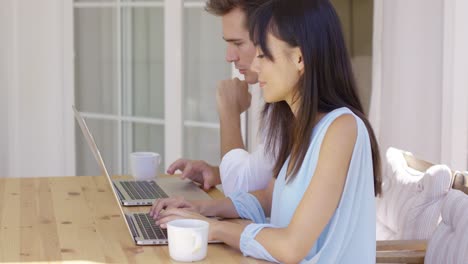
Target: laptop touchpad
[{"x": 174, "y": 186}]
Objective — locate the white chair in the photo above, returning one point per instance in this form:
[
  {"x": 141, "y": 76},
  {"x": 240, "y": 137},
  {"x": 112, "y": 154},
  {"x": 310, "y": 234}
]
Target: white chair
[
  {"x": 414, "y": 195},
  {"x": 447, "y": 245},
  {"x": 413, "y": 192}
]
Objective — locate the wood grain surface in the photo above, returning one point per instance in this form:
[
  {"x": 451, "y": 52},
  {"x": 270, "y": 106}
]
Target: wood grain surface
[{"x": 64, "y": 219}]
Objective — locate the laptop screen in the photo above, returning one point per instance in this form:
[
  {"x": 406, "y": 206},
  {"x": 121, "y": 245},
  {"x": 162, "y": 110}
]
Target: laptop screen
[{"x": 97, "y": 155}]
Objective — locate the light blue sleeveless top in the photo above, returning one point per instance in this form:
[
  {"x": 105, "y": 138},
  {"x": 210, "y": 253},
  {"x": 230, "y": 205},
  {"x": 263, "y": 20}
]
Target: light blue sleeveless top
[{"x": 349, "y": 237}]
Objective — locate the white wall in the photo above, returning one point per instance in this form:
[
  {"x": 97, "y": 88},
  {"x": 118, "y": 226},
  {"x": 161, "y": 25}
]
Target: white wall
[{"x": 33, "y": 49}]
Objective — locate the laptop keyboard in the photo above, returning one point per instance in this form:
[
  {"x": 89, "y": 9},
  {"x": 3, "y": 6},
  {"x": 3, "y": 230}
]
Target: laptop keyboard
[
  {"x": 143, "y": 190},
  {"x": 148, "y": 228}
]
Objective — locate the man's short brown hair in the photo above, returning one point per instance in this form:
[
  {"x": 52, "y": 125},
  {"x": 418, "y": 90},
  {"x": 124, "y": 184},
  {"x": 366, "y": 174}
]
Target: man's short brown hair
[{"x": 222, "y": 7}]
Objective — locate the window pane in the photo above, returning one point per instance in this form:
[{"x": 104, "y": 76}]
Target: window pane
[
  {"x": 95, "y": 61},
  {"x": 203, "y": 144},
  {"x": 151, "y": 1},
  {"x": 95, "y": 1},
  {"x": 143, "y": 137},
  {"x": 204, "y": 64},
  {"x": 143, "y": 61},
  {"x": 204, "y": 67},
  {"x": 106, "y": 138}
]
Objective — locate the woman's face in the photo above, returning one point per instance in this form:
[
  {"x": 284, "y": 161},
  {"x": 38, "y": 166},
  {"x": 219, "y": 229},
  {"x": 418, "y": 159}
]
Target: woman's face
[{"x": 279, "y": 79}]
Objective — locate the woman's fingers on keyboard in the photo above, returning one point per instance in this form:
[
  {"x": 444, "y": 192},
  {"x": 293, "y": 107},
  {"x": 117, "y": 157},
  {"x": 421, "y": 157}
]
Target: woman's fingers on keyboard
[
  {"x": 158, "y": 205},
  {"x": 164, "y": 204}
]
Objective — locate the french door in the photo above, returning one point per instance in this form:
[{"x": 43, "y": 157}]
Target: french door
[{"x": 145, "y": 78}]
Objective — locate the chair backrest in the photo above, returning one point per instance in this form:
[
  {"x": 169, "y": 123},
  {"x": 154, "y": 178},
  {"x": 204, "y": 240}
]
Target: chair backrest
[
  {"x": 449, "y": 243},
  {"x": 449, "y": 239},
  {"x": 413, "y": 193},
  {"x": 460, "y": 179},
  {"x": 415, "y": 163}
]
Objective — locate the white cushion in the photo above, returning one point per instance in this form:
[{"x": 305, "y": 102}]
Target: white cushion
[
  {"x": 412, "y": 200},
  {"x": 449, "y": 243}
]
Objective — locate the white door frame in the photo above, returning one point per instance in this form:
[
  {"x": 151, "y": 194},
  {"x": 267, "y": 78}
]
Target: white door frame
[
  {"x": 455, "y": 85},
  {"x": 173, "y": 80},
  {"x": 10, "y": 25},
  {"x": 68, "y": 86},
  {"x": 374, "y": 108}
]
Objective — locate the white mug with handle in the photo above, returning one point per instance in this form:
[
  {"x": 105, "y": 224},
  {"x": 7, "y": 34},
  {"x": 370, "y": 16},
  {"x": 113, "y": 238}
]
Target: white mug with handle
[
  {"x": 188, "y": 239},
  {"x": 144, "y": 165}
]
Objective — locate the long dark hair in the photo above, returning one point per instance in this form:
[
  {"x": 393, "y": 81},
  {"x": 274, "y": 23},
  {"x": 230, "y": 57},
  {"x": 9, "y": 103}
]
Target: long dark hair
[{"x": 327, "y": 83}]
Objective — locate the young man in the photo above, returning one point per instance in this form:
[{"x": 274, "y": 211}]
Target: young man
[{"x": 239, "y": 170}]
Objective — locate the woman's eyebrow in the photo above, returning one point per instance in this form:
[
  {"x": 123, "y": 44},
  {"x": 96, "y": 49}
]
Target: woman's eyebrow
[{"x": 232, "y": 39}]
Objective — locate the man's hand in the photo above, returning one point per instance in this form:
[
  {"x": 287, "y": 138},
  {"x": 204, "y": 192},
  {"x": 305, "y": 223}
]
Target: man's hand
[
  {"x": 197, "y": 171},
  {"x": 233, "y": 97}
]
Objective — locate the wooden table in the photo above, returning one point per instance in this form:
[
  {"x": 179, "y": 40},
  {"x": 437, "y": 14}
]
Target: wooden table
[{"x": 63, "y": 219}]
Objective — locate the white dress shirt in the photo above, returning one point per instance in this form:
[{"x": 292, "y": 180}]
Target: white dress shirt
[{"x": 244, "y": 171}]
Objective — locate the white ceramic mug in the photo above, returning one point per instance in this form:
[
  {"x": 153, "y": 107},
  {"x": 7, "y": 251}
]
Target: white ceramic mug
[
  {"x": 188, "y": 239},
  {"x": 144, "y": 165}
]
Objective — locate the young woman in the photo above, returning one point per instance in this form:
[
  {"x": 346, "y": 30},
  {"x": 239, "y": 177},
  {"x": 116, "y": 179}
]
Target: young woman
[{"x": 321, "y": 198}]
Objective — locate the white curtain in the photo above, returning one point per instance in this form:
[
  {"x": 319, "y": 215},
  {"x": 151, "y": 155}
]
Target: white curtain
[{"x": 419, "y": 91}]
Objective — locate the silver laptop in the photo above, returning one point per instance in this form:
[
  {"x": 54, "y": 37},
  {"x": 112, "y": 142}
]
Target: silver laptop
[
  {"x": 141, "y": 226},
  {"x": 137, "y": 193}
]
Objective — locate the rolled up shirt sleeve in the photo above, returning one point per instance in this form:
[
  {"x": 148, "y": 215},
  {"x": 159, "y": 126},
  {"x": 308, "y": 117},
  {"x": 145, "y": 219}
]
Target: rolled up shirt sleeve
[
  {"x": 250, "y": 247},
  {"x": 244, "y": 171},
  {"x": 248, "y": 207}
]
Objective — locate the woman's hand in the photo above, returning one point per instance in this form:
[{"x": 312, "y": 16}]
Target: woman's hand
[
  {"x": 171, "y": 203},
  {"x": 176, "y": 213}
]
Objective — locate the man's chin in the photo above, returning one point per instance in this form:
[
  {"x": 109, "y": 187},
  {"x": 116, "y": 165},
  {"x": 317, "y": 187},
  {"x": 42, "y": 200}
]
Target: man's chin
[{"x": 251, "y": 78}]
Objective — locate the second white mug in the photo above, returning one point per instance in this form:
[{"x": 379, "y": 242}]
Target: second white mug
[
  {"x": 144, "y": 165},
  {"x": 188, "y": 239}
]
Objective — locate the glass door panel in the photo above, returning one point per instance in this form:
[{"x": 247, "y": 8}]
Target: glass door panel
[
  {"x": 203, "y": 143},
  {"x": 106, "y": 138},
  {"x": 204, "y": 67},
  {"x": 143, "y": 62},
  {"x": 120, "y": 80},
  {"x": 142, "y": 80},
  {"x": 96, "y": 61},
  {"x": 95, "y": 1},
  {"x": 146, "y": 137}
]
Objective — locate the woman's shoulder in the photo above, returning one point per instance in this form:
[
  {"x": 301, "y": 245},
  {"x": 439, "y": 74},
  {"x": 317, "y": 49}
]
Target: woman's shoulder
[
  {"x": 340, "y": 126},
  {"x": 344, "y": 122},
  {"x": 342, "y": 129},
  {"x": 341, "y": 119}
]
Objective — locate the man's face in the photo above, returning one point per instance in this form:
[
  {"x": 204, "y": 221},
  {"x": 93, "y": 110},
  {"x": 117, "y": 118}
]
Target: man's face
[{"x": 240, "y": 49}]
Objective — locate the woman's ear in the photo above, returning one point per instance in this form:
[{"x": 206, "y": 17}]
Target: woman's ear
[{"x": 298, "y": 60}]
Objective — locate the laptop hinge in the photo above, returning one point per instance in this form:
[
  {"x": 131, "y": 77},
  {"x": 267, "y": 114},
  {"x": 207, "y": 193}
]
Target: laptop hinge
[
  {"x": 132, "y": 225},
  {"x": 118, "y": 192}
]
